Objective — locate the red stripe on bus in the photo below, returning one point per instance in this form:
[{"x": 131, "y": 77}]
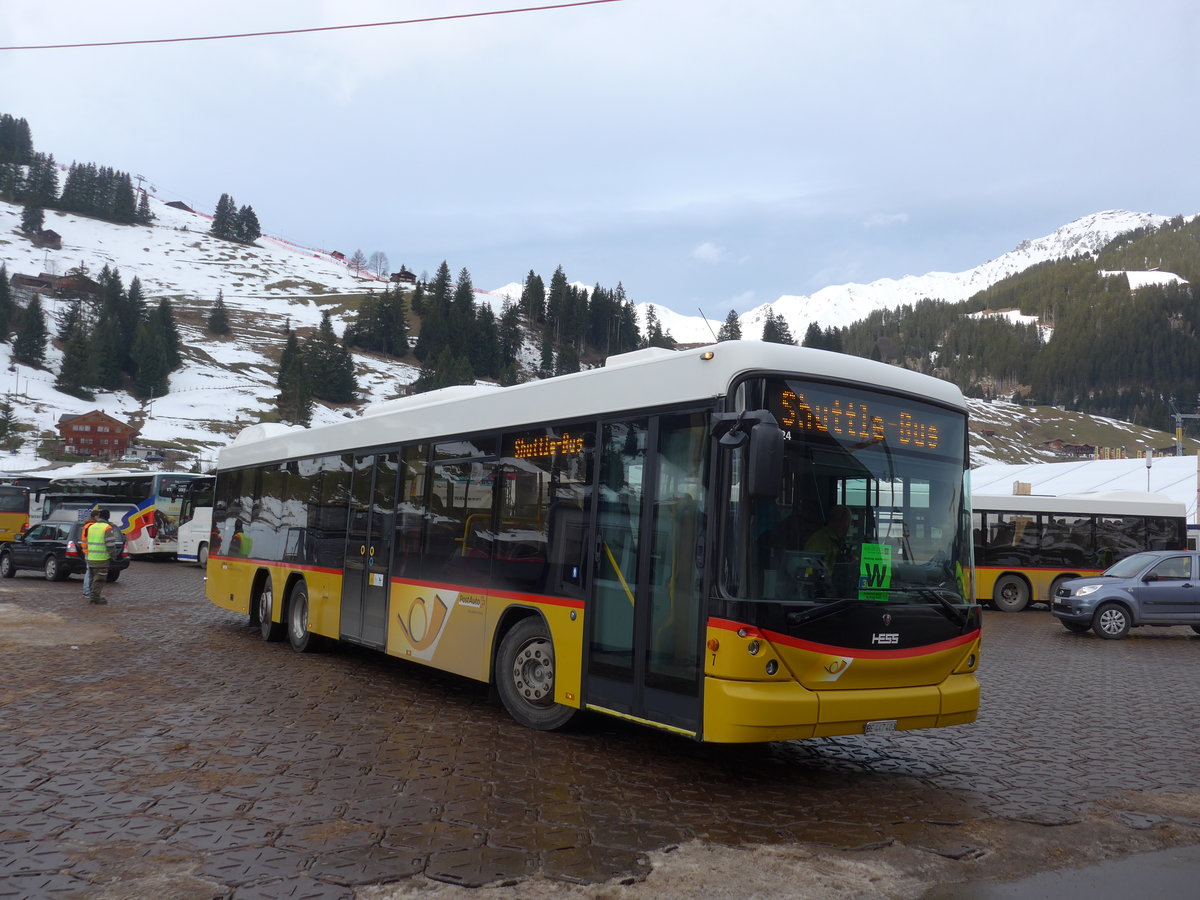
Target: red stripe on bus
[
  {"x": 293, "y": 567},
  {"x": 777, "y": 638},
  {"x": 507, "y": 595}
]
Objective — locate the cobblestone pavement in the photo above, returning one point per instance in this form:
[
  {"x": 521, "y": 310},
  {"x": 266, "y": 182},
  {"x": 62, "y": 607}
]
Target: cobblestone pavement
[{"x": 157, "y": 746}]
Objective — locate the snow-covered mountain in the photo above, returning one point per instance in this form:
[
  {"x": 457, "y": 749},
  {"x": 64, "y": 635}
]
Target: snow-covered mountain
[
  {"x": 225, "y": 384},
  {"x": 840, "y": 305}
]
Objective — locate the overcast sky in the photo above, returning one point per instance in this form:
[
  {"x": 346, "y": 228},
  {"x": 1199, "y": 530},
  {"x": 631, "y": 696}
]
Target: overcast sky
[{"x": 710, "y": 154}]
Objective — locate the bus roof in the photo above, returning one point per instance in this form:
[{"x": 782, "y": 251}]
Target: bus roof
[
  {"x": 1113, "y": 503},
  {"x": 642, "y": 379}
]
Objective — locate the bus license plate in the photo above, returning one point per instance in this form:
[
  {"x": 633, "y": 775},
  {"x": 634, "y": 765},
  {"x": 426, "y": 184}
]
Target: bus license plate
[{"x": 879, "y": 725}]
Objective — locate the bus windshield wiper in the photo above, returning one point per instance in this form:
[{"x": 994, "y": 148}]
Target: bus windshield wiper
[{"x": 953, "y": 611}]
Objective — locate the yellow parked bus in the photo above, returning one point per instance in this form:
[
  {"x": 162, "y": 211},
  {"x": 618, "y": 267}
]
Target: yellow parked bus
[
  {"x": 612, "y": 540},
  {"x": 1026, "y": 545},
  {"x": 14, "y": 511}
]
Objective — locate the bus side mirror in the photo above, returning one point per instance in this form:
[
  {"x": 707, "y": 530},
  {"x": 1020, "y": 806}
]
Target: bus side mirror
[{"x": 764, "y": 471}]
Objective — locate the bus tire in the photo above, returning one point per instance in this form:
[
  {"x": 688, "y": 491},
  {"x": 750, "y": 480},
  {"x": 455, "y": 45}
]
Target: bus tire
[
  {"x": 7, "y": 569},
  {"x": 1011, "y": 593},
  {"x": 524, "y": 675},
  {"x": 264, "y": 605},
  {"x": 1111, "y": 621},
  {"x": 202, "y": 555},
  {"x": 301, "y": 639}
]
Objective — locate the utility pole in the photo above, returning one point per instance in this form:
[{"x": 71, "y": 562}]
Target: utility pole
[{"x": 1179, "y": 417}]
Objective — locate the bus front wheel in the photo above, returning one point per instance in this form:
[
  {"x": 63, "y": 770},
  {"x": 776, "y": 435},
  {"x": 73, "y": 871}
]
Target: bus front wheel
[
  {"x": 525, "y": 677},
  {"x": 202, "y": 555},
  {"x": 264, "y": 605},
  {"x": 1011, "y": 594},
  {"x": 301, "y": 639}
]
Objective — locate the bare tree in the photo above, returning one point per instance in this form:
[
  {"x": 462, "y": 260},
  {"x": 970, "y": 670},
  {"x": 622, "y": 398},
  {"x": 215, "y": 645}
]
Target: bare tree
[
  {"x": 377, "y": 262},
  {"x": 358, "y": 262}
]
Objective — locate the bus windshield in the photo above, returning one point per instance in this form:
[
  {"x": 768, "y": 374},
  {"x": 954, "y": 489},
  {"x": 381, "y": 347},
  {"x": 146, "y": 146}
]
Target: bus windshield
[{"x": 872, "y": 508}]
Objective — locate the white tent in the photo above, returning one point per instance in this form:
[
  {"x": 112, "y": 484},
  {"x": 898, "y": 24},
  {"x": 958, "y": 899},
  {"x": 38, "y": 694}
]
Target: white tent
[{"x": 1172, "y": 476}]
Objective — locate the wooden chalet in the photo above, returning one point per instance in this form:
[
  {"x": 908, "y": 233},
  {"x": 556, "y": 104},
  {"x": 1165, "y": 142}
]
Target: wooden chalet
[{"x": 95, "y": 434}]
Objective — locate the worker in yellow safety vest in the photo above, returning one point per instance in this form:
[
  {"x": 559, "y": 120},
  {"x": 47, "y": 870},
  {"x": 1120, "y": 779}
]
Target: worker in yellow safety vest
[{"x": 100, "y": 545}]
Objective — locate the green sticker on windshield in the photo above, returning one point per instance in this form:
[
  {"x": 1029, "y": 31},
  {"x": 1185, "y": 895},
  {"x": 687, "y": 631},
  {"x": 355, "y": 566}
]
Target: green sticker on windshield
[{"x": 875, "y": 572}]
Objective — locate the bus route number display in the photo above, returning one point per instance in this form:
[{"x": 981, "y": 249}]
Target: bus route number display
[{"x": 856, "y": 419}]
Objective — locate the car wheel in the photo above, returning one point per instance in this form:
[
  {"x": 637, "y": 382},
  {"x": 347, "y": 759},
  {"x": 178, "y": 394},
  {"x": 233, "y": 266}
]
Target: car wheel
[
  {"x": 301, "y": 639},
  {"x": 1011, "y": 594},
  {"x": 1076, "y": 627},
  {"x": 7, "y": 569},
  {"x": 202, "y": 556},
  {"x": 53, "y": 569},
  {"x": 112, "y": 576},
  {"x": 1111, "y": 621},
  {"x": 525, "y": 677},
  {"x": 264, "y": 605}
]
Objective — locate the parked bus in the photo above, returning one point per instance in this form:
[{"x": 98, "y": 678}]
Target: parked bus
[
  {"x": 605, "y": 541},
  {"x": 14, "y": 511},
  {"x": 1026, "y": 545},
  {"x": 146, "y": 506},
  {"x": 35, "y": 485},
  {"x": 194, "y": 536}
]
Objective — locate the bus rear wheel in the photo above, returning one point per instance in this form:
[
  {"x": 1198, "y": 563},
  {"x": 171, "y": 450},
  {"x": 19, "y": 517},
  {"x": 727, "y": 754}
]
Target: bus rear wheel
[
  {"x": 1011, "y": 594},
  {"x": 264, "y": 605},
  {"x": 525, "y": 677},
  {"x": 301, "y": 639}
]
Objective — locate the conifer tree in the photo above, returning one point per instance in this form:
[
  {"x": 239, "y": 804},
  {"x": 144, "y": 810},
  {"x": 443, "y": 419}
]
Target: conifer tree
[
  {"x": 246, "y": 226},
  {"x": 163, "y": 320},
  {"x": 224, "y": 224},
  {"x": 731, "y": 330},
  {"x": 76, "y": 373},
  {"x": 144, "y": 216},
  {"x": 32, "y": 217},
  {"x": 814, "y": 337},
  {"x": 70, "y": 320},
  {"x": 533, "y": 298},
  {"x": 29, "y": 345},
  {"x": 295, "y": 400},
  {"x": 218, "y": 317},
  {"x": 6, "y": 303},
  {"x": 150, "y": 351},
  {"x": 330, "y": 365},
  {"x": 776, "y": 331}
]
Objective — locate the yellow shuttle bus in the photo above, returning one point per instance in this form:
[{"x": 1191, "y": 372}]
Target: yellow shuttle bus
[
  {"x": 1027, "y": 545},
  {"x": 646, "y": 540}
]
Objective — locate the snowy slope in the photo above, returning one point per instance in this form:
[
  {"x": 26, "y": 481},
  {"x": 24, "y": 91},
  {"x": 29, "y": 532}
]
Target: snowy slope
[{"x": 224, "y": 384}]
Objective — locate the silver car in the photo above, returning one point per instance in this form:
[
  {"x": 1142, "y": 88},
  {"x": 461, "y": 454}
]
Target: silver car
[{"x": 1158, "y": 587}]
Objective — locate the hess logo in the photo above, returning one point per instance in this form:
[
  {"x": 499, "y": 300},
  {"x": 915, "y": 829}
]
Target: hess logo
[{"x": 885, "y": 639}]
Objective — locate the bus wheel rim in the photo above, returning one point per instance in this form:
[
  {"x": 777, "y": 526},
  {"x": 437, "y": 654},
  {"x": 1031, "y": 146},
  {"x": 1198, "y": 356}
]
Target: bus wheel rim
[{"x": 533, "y": 672}]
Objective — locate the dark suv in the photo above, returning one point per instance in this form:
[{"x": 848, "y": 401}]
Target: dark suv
[{"x": 56, "y": 549}]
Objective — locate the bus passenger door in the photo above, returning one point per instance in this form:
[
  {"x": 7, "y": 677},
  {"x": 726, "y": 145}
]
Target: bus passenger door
[
  {"x": 644, "y": 615},
  {"x": 369, "y": 549}
]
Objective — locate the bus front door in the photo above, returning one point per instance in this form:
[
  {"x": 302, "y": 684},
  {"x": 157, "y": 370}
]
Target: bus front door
[
  {"x": 369, "y": 549},
  {"x": 644, "y": 624}
]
